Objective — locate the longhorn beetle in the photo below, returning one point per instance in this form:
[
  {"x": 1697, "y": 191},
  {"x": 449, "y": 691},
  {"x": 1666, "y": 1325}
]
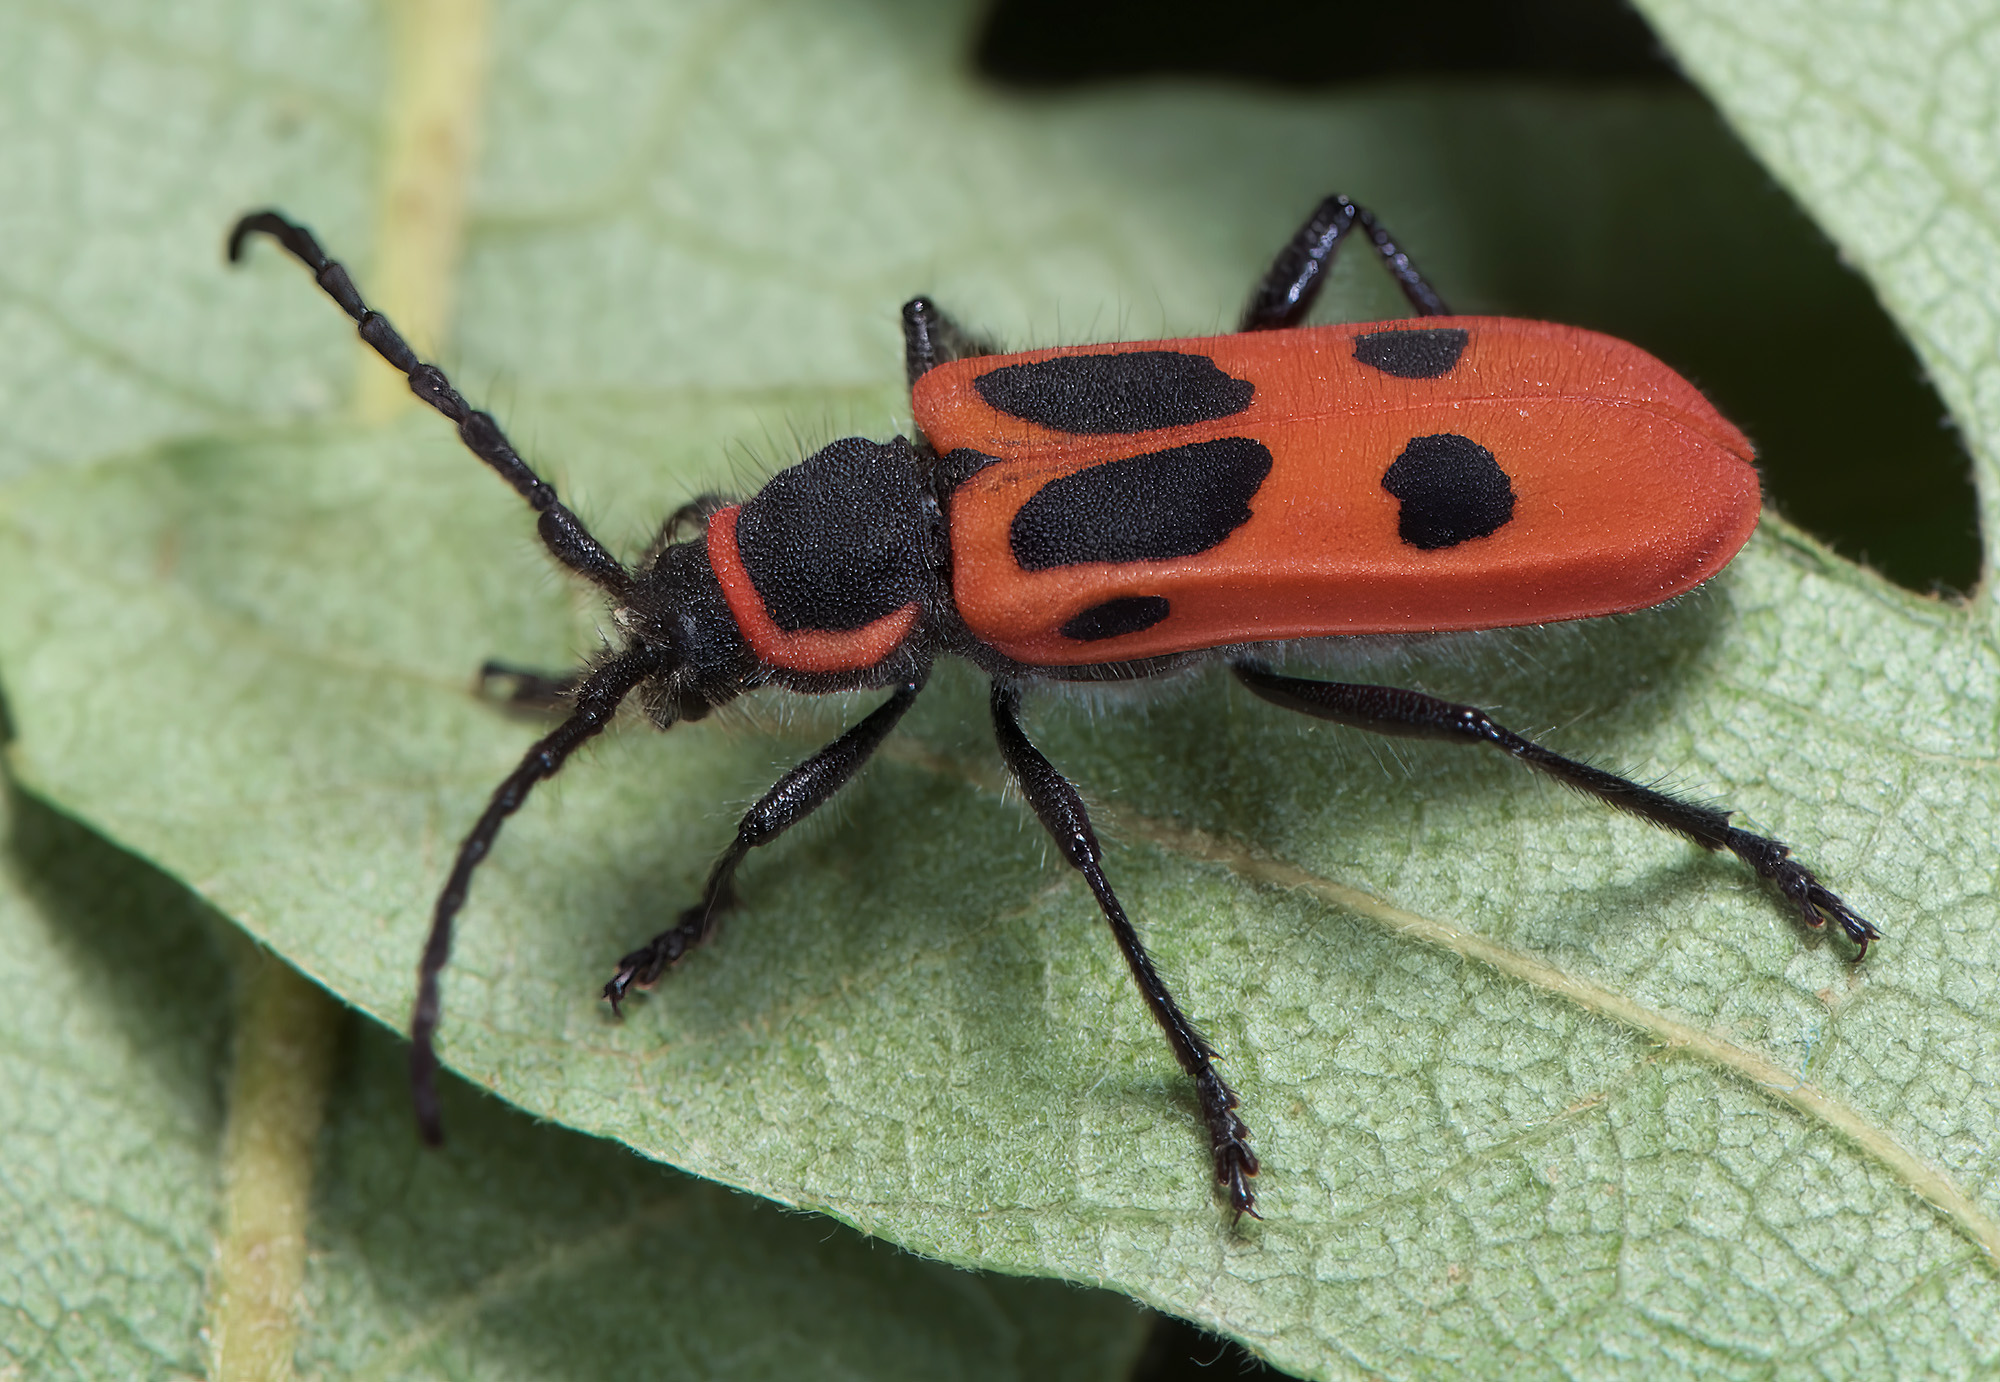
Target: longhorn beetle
[{"x": 1110, "y": 512}]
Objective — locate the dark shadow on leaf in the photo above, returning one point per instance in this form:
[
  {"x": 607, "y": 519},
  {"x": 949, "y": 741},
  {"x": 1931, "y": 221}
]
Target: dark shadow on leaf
[{"x": 156, "y": 952}]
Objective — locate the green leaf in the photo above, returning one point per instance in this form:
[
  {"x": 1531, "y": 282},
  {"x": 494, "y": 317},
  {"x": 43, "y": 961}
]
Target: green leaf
[
  {"x": 1537, "y": 1089},
  {"x": 522, "y": 1251}
]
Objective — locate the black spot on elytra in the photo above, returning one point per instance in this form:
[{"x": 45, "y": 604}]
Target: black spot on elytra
[
  {"x": 1126, "y": 614},
  {"x": 1424, "y": 354},
  {"x": 1155, "y": 507},
  {"x": 1451, "y": 490},
  {"x": 1126, "y": 391},
  {"x": 836, "y": 541}
]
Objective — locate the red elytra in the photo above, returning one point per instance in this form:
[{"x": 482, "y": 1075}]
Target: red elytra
[
  {"x": 1630, "y": 488},
  {"x": 1105, "y": 513}
]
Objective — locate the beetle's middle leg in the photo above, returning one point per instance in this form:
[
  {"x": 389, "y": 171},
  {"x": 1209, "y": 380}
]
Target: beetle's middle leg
[{"x": 1061, "y": 810}]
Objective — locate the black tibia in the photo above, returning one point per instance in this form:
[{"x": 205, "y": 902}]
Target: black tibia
[
  {"x": 1412, "y": 715},
  {"x": 597, "y": 701},
  {"x": 798, "y": 794},
  {"x": 1061, "y": 810},
  {"x": 529, "y": 688},
  {"x": 1286, "y": 292},
  {"x": 561, "y": 530},
  {"x": 930, "y": 339}
]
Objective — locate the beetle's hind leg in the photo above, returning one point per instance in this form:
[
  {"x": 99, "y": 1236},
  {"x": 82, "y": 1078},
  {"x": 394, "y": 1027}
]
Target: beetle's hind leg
[
  {"x": 1055, "y": 801},
  {"x": 1286, "y": 293},
  {"x": 1413, "y": 715},
  {"x": 797, "y": 795}
]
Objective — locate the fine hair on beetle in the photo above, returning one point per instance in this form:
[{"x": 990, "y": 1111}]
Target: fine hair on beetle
[{"x": 1107, "y": 517}]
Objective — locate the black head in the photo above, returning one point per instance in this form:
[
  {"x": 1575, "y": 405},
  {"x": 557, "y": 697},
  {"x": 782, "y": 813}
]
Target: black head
[{"x": 676, "y": 605}]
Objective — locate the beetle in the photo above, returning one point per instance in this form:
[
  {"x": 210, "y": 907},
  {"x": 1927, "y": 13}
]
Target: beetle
[{"x": 1105, "y": 513}]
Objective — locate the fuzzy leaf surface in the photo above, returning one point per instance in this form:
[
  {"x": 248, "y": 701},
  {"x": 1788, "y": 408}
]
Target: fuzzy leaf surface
[{"x": 525, "y": 1251}]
